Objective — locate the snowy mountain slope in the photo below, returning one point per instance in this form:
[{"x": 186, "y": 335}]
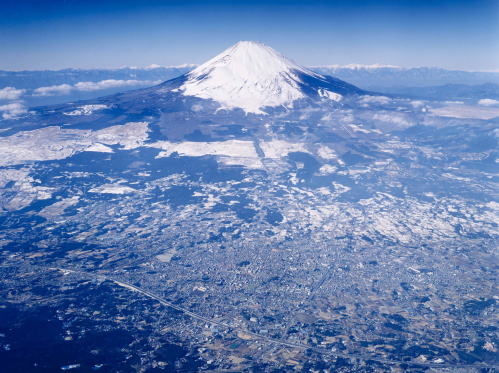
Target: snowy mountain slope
[{"x": 252, "y": 76}]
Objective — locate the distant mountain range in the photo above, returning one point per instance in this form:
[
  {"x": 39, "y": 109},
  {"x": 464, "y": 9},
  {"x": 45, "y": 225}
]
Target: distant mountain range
[
  {"x": 378, "y": 77},
  {"x": 365, "y": 76},
  {"x": 57, "y": 86},
  {"x": 449, "y": 91}
]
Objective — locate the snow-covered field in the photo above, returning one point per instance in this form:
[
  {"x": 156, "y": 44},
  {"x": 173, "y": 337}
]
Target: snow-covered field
[{"x": 51, "y": 143}]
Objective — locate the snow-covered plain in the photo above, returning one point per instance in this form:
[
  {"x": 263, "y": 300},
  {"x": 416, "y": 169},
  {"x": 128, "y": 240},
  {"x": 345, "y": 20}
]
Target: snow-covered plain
[
  {"x": 112, "y": 189},
  {"x": 53, "y": 142},
  {"x": 231, "y": 151},
  {"x": 86, "y": 109},
  {"x": 234, "y": 152}
]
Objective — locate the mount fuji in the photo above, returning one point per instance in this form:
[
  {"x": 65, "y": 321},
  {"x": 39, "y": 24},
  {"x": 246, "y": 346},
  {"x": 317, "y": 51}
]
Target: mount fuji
[{"x": 252, "y": 76}]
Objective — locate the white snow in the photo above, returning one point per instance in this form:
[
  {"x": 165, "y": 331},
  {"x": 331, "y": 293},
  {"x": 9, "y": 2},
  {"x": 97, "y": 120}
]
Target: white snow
[
  {"x": 231, "y": 152},
  {"x": 112, "y": 189},
  {"x": 233, "y": 148},
  {"x": 54, "y": 142},
  {"x": 248, "y": 162},
  {"x": 357, "y": 128},
  {"x": 25, "y": 190},
  {"x": 130, "y": 135},
  {"x": 280, "y": 148},
  {"x": 327, "y": 169},
  {"x": 100, "y": 148},
  {"x": 54, "y": 210},
  {"x": 326, "y": 152},
  {"x": 328, "y": 94},
  {"x": 86, "y": 110},
  {"x": 249, "y": 76}
]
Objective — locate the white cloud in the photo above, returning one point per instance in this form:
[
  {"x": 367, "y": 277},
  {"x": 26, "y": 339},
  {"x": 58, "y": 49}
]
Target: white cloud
[
  {"x": 111, "y": 83},
  {"x": 13, "y": 110},
  {"x": 11, "y": 93},
  {"x": 488, "y": 102},
  {"x": 395, "y": 118},
  {"x": 53, "y": 90},
  {"x": 184, "y": 65},
  {"x": 64, "y": 89},
  {"x": 417, "y": 103},
  {"x": 375, "y": 100},
  {"x": 467, "y": 111}
]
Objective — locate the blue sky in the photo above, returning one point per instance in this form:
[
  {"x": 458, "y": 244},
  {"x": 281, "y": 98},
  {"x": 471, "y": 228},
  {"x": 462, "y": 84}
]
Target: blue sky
[{"x": 52, "y": 34}]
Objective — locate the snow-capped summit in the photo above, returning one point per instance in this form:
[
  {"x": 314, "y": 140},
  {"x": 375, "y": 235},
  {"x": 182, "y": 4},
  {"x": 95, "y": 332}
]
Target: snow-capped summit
[{"x": 252, "y": 76}]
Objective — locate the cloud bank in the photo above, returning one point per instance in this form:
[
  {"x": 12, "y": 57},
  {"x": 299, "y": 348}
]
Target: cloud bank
[
  {"x": 64, "y": 89},
  {"x": 11, "y": 93},
  {"x": 53, "y": 90},
  {"x": 488, "y": 102},
  {"x": 13, "y": 110}
]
